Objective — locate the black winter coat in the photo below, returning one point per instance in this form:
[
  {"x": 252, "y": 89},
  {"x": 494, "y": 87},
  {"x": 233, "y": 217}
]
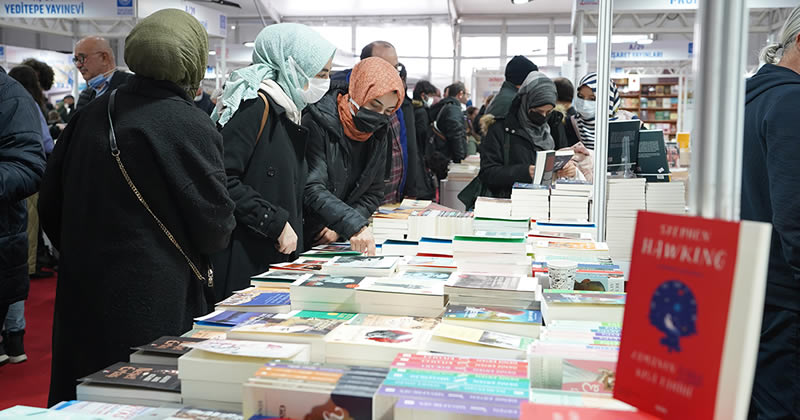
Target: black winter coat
[
  {"x": 87, "y": 95},
  {"x": 266, "y": 178},
  {"x": 562, "y": 130},
  {"x": 121, "y": 282},
  {"x": 21, "y": 169},
  {"x": 500, "y": 176},
  {"x": 328, "y": 157},
  {"x": 422, "y": 123},
  {"x": 451, "y": 123},
  {"x": 417, "y": 185},
  {"x": 501, "y": 103}
]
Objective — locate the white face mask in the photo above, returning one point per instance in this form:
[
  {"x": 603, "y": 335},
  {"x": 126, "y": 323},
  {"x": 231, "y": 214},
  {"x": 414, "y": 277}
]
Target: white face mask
[
  {"x": 463, "y": 107},
  {"x": 429, "y": 102},
  {"x": 586, "y": 108},
  {"x": 317, "y": 88}
]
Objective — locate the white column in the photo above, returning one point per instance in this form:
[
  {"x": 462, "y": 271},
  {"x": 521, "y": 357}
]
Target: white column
[
  {"x": 430, "y": 50},
  {"x": 717, "y": 138},
  {"x": 578, "y": 52},
  {"x": 604, "y": 23}
]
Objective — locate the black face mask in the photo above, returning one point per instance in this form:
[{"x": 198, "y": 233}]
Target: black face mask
[
  {"x": 536, "y": 118},
  {"x": 367, "y": 121}
]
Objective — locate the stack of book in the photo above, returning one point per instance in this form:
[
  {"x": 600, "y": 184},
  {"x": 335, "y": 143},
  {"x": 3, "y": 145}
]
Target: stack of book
[
  {"x": 223, "y": 320},
  {"x": 625, "y": 197},
  {"x": 322, "y": 292},
  {"x": 593, "y": 277},
  {"x": 586, "y": 251},
  {"x": 411, "y": 293},
  {"x": 257, "y": 299},
  {"x": 89, "y": 410},
  {"x": 580, "y": 305},
  {"x": 301, "y": 327},
  {"x": 439, "y": 386},
  {"x": 330, "y": 250},
  {"x": 390, "y": 224},
  {"x": 490, "y": 252},
  {"x": 666, "y": 197},
  {"x": 302, "y": 264},
  {"x": 504, "y": 291},
  {"x": 435, "y": 246},
  {"x": 438, "y": 223},
  {"x": 530, "y": 201},
  {"x": 285, "y": 390},
  {"x": 132, "y": 383},
  {"x": 575, "y": 356},
  {"x": 396, "y": 247},
  {"x": 163, "y": 351},
  {"x": 565, "y": 227},
  {"x": 569, "y": 200},
  {"x": 496, "y": 208},
  {"x": 212, "y": 373},
  {"x": 509, "y": 224},
  {"x": 375, "y": 340},
  {"x": 523, "y": 322},
  {"x": 280, "y": 279}
]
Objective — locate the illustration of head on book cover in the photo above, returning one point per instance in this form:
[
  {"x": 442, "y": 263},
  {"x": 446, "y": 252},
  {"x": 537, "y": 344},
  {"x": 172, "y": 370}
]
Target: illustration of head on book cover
[
  {"x": 673, "y": 311},
  {"x": 389, "y": 336}
]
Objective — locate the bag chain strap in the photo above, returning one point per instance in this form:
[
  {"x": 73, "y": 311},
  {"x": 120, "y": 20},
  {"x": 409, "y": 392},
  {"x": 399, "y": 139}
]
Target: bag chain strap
[{"x": 115, "y": 154}]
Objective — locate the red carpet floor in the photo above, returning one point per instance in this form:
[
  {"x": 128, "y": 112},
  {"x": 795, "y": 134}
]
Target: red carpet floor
[{"x": 28, "y": 383}]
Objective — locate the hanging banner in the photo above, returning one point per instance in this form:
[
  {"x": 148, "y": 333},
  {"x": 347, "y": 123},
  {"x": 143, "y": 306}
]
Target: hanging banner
[
  {"x": 214, "y": 21},
  {"x": 674, "y": 5},
  {"x": 71, "y": 9},
  {"x": 657, "y": 51}
]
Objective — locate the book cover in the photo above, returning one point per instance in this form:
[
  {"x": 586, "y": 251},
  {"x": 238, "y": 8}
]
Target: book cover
[
  {"x": 285, "y": 276},
  {"x": 256, "y": 297},
  {"x": 682, "y": 274},
  {"x": 332, "y": 282},
  {"x": 581, "y": 297},
  {"x": 378, "y": 262},
  {"x": 504, "y": 237},
  {"x": 485, "y": 281},
  {"x": 403, "y": 322},
  {"x": 301, "y": 264},
  {"x": 260, "y": 349},
  {"x": 294, "y": 325},
  {"x": 491, "y": 314},
  {"x": 202, "y": 414},
  {"x": 138, "y": 375},
  {"x": 169, "y": 345},
  {"x": 204, "y": 334},
  {"x": 482, "y": 337},
  {"x": 226, "y": 319},
  {"x": 652, "y": 163}
]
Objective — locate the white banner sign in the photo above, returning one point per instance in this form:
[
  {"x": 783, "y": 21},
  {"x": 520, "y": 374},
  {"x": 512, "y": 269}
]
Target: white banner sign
[
  {"x": 71, "y": 9},
  {"x": 215, "y": 22},
  {"x": 657, "y": 51}
]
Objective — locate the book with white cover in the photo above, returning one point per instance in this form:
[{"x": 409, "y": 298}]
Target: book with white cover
[
  {"x": 447, "y": 338},
  {"x": 375, "y": 340},
  {"x": 490, "y": 285},
  {"x": 278, "y": 279},
  {"x": 411, "y": 288},
  {"x": 221, "y": 363},
  {"x": 128, "y": 396},
  {"x": 361, "y": 266}
]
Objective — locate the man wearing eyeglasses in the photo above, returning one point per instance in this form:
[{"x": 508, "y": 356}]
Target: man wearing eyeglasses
[{"x": 95, "y": 60}]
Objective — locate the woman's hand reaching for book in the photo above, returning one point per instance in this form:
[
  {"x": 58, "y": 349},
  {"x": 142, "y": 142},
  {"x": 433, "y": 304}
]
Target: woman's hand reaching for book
[
  {"x": 325, "y": 236},
  {"x": 363, "y": 242},
  {"x": 287, "y": 242}
]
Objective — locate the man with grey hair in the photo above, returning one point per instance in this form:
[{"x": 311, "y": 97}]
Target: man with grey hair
[{"x": 94, "y": 59}]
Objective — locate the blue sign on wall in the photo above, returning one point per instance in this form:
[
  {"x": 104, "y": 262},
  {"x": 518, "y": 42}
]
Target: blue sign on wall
[{"x": 691, "y": 49}]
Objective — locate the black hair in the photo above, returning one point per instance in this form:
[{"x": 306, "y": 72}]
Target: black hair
[
  {"x": 27, "y": 77},
  {"x": 43, "y": 72},
  {"x": 366, "y": 52},
  {"x": 69, "y": 96},
  {"x": 401, "y": 68},
  {"x": 456, "y": 88},
  {"x": 565, "y": 91},
  {"x": 424, "y": 86}
]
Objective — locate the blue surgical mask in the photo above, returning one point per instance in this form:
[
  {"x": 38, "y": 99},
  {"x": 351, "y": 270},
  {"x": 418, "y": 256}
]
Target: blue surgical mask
[{"x": 99, "y": 80}]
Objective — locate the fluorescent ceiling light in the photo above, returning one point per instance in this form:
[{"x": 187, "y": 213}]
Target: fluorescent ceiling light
[
  {"x": 616, "y": 39},
  {"x": 520, "y": 1},
  {"x": 250, "y": 44},
  {"x": 646, "y": 41},
  {"x": 212, "y": 53}
]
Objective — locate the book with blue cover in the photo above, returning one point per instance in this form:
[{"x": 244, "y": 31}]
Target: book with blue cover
[{"x": 257, "y": 300}]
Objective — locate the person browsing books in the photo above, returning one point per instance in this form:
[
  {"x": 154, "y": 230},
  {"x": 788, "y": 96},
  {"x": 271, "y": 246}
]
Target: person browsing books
[
  {"x": 346, "y": 154},
  {"x": 122, "y": 280},
  {"x": 586, "y": 105},
  {"x": 265, "y": 159},
  {"x": 526, "y": 130},
  {"x": 770, "y": 187}
]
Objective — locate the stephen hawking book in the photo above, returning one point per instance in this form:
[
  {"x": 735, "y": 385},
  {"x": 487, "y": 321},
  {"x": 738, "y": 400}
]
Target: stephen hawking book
[{"x": 693, "y": 317}]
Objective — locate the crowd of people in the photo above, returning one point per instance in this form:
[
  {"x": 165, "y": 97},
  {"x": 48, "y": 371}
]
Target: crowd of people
[{"x": 162, "y": 199}]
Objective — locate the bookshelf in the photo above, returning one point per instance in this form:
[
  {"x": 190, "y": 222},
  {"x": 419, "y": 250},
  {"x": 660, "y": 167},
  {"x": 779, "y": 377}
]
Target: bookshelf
[{"x": 655, "y": 102}]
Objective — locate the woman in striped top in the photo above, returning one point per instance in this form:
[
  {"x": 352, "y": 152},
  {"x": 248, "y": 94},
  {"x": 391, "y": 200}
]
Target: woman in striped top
[{"x": 586, "y": 105}]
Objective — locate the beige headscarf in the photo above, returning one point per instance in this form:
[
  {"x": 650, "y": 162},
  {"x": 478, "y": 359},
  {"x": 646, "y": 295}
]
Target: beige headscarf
[{"x": 169, "y": 45}]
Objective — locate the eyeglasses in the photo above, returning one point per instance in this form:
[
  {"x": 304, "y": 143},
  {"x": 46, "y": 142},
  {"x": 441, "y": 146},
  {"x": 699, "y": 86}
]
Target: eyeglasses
[{"x": 81, "y": 58}]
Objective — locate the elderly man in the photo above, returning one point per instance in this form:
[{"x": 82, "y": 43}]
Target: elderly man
[{"x": 94, "y": 58}]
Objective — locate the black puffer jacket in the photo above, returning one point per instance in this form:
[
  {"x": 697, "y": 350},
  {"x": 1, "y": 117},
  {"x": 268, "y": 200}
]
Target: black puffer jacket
[
  {"x": 451, "y": 123},
  {"x": 499, "y": 176},
  {"x": 21, "y": 169},
  {"x": 328, "y": 157}
]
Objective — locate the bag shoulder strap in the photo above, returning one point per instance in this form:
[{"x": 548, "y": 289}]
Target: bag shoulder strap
[
  {"x": 112, "y": 139},
  {"x": 263, "y": 117}
]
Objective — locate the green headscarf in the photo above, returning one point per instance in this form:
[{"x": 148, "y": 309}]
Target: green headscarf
[
  {"x": 169, "y": 45},
  {"x": 288, "y": 53}
]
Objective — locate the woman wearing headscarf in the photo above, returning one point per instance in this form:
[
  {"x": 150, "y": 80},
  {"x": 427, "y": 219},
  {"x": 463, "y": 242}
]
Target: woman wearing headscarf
[
  {"x": 586, "y": 105},
  {"x": 266, "y": 166},
  {"x": 122, "y": 280},
  {"x": 527, "y": 132},
  {"x": 347, "y": 154}
]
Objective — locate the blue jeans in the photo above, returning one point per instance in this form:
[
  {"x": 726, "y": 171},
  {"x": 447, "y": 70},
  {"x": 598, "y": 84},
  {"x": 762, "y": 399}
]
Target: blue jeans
[{"x": 15, "y": 320}]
